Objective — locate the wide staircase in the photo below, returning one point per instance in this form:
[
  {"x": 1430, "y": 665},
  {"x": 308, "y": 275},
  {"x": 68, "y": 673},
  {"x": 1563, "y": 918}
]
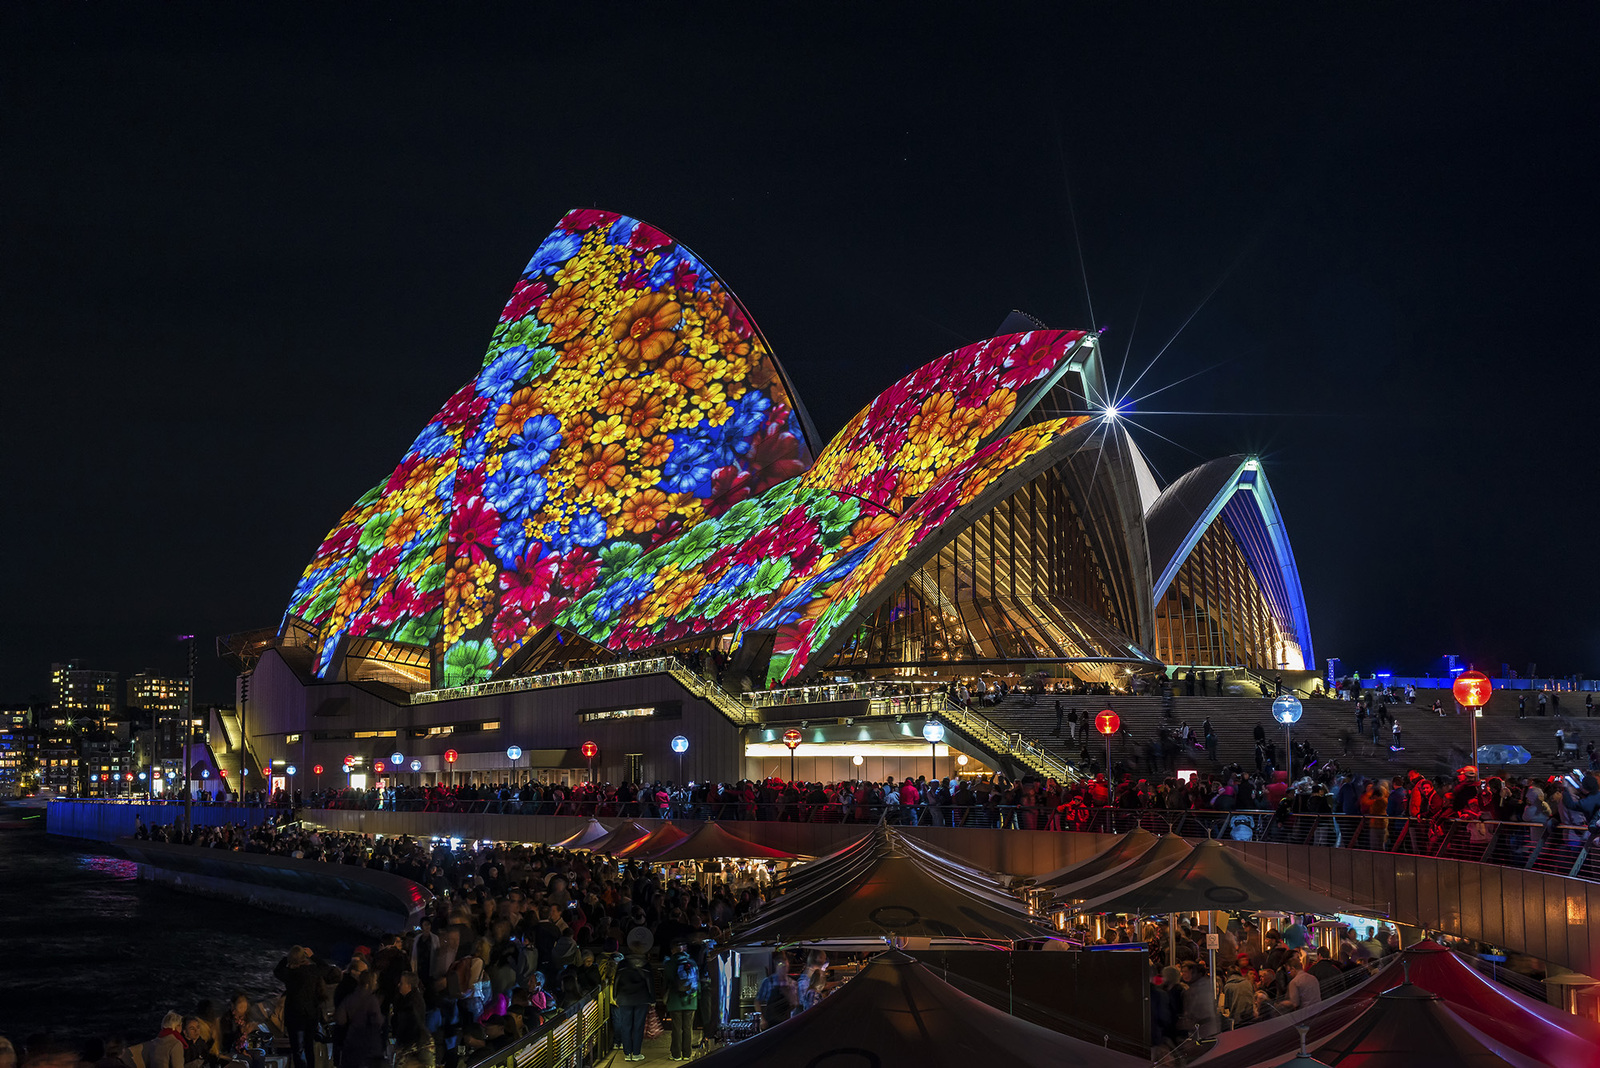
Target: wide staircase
[{"x": 1432, "y": 745}]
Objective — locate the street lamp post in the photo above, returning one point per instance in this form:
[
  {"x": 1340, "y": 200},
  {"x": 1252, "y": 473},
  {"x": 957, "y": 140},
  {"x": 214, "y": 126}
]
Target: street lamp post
[
  {"x": 1472, "y": 689},
  {"x": 1287, "y": 711},
  {"x": 791, "y": 738},
  {"x": 680, "y": 745},
  {"x": 1108, "y": 723},
  {"x": 589, "y": 751},
  {"x": 188, "y": 734},
  {"x": 933, "y": 731}
]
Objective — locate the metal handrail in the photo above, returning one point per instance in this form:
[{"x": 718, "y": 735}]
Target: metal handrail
[
  {"x": 841, "y": 691},
  {"x": 1031, "y": 755},
  {"x": 577, "y": 1037},
  {"x": 622, "y": 669}
]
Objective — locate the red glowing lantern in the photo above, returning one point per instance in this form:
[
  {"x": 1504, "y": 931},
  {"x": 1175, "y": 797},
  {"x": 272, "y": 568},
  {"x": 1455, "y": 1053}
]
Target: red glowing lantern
[
  {"x": 349, "y": 761},
  {"x": 451, "y": 756},
  {"x": 1472, "y": 689},
  {"x": 791, "y": 738},
  {"x": 1107, "y": 722},
  {"x": 316, "y": 769},
  {"x": 223, "y": 772},
  {"x": 589, "y": 750},
  {"x": 378, "y": 765}
]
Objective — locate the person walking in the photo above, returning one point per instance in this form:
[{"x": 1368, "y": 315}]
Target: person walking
[
  {"x": 1060, "y": 716},
  {"x": 636, "y": 994},
  {"x": 683, "y": 997},
  {"x": 304, "y": 989}
]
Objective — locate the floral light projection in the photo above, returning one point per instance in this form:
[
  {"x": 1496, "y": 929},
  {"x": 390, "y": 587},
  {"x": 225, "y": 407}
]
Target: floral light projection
[{"x": 629, "y": 463}]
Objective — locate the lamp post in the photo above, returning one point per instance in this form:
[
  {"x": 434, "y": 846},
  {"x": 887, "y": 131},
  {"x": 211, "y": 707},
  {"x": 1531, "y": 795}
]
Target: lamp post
[
  {"x": 933, "y": 731},
  {"x": 589, "y": 750},
  {"x": 680, "y": 745},
  {"x": 450, "y": 757},
  {"x": 1108, "y": 723},
  {"x": 791, "y": 738},
  {"x": 514, "y": 754},
  {"x": 188, "y": 733},
  {"x": 1472, "y": 689},
  {"x": 1287, "y": 710}
]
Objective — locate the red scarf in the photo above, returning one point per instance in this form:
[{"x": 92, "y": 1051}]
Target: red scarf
[{"x": 184, "y": 1042}]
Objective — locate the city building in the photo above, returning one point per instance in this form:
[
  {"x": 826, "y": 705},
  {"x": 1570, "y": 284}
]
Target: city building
[
  {"x": 630, "y": 480},
  {"x": 159, "y": 695},
  {"x": 19, "y": 750},
  {"x": 84, "y": 692}
]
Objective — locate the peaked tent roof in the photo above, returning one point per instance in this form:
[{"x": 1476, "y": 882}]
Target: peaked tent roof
[
  {"x": 712, "y": 839},
  {"x": 1128, "y": 847},
  {"x": 662, "y": 838},
  {"x": 584, "y": 837},
  {"x": 881, "y": 886},
  {"x": 1213, "y": 877},
  {"x": 1407, "y": 1026},
  {"x": 1540, "y": 1031},
  {"x": 625, "y": 833},
  {"x": 1168, "y": 850},
  {"x": 899, "y": 1014}
]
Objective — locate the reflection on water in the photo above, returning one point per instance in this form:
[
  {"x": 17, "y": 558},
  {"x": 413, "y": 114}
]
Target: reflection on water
[{"x": 90, "y": 951}]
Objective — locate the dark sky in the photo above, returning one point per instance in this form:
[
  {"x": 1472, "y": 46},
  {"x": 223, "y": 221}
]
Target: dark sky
[{"x": 246, "y": 257}]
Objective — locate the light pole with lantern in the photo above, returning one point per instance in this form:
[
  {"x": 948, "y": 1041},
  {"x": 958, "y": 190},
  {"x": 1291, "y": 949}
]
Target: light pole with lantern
[
  {"x": 933, "y": 731},
  {"x": 450, "y": 757},
  {"x": 1472, "y": 689},
  {"x": 680, "y": 745},
  {"x": 589, "y": 750},
  {"x": 514, "y": 754},
  {"x": 1287, "y": 710},
  {"x": 791, "y": 738},
  {"x": 1108, "y": 723}
]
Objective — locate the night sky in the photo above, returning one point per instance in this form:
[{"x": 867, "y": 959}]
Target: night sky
[{"x": 247, "y": 257}]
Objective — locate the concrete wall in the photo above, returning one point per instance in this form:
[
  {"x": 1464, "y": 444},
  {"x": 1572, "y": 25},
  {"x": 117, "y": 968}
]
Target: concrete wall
[
  {"x": 372, "y": 901},
  {"x": 282, "y": 705},
  {"x": 1020, "y": 853},
  {"x": 1544, "y": 915}
]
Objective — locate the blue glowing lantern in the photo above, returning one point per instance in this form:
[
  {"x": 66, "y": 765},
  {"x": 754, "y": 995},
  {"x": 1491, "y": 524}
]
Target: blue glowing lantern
[
  {"x": 680, "y": 744},
  {"x": 290, "y": 770},
  {"x": 397, "y": 758},
  {"x": 1287, "y": 710},
  {"x": 933, "y": 732},
  {"x": 514, "y": 752},
  {"x": 416, "y": 765}
]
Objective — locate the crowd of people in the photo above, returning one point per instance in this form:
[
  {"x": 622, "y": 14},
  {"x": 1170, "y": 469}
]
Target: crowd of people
[
  {"x": 516, "y": 935},
  {"x": 1265, "y": 973}
]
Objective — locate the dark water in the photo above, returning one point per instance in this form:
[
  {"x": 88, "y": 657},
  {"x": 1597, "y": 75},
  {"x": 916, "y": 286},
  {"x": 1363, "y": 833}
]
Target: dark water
[{"x": 86, "y": 950}]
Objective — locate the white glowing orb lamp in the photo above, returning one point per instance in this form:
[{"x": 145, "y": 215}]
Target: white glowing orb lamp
[
  {"x": 1287, "y": 709},
  {"x": 933, "y": 732}
]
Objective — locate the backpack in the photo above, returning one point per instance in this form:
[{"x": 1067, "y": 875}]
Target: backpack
[
  {"x": 634, "y": 980},
  {"x": 686, "y": 979}
]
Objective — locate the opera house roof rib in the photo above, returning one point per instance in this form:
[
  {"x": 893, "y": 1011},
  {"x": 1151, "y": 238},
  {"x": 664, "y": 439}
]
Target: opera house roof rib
[{"x": 630, "y": 469}]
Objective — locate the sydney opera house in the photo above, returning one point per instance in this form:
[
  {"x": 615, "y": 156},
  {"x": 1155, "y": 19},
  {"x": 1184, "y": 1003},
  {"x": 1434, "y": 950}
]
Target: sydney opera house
[{"x": 630, "y": 482}]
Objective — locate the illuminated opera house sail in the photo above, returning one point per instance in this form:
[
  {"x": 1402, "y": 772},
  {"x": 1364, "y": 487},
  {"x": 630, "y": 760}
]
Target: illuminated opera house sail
[{"x": 631, "y": 471}]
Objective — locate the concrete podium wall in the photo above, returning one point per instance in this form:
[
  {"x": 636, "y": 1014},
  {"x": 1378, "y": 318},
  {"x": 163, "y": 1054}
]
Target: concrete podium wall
[
  {"x": 372, "y": 901},
  {"x": 1533, "y": 912}
]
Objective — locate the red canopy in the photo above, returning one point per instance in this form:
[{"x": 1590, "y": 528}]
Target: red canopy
[
  {"x": 712, "y": 840},
  {"x": 664, "y": 837},
  {"x": 623, "y": 834},
  {"x": 1406, "y": 1027},
  {"x": 1540, "y": 1031}
]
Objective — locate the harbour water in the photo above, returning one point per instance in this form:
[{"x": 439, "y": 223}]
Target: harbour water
[{"x": 86, "y": 950}]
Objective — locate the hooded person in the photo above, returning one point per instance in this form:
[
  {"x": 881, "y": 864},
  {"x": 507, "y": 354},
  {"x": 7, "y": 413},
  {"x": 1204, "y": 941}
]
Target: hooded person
[
  {"x": 1238, "y": 998},
  {"x": 635, "y": 994}
]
